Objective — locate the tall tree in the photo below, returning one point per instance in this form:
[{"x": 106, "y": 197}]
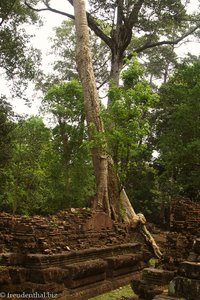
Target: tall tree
[
  {"x": 6, "y": 142},
  {"x": 108, "y": 190},
  {"x": 65, "y": 102},
  {"x": 26, "y": 188},
  {"x": 92, "y": 106},
  {"x": 139, "y": 23},
  {"x": 160, "y": 63},
  {"x": 6, "y": 127},
  {"x": 178, "y": 132}
]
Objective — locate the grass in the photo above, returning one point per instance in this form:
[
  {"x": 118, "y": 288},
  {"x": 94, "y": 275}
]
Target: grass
[{"x": 125, "y": 291}]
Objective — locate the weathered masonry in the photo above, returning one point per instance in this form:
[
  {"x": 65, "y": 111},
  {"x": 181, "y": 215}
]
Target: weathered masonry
[{"x": 75, "y": 255}]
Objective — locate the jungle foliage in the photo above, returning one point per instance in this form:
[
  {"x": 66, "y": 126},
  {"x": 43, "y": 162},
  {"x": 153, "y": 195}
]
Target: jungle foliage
[{"x": 48, "y": 167}]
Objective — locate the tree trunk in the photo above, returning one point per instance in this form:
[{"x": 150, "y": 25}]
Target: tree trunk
[
  {"x": 92, "y": 106},
  {"x": 110, "y": 195},
  {"x": 116, "y": 67}
]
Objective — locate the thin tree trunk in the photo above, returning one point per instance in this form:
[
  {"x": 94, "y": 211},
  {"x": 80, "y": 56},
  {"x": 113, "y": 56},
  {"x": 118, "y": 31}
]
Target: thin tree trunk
[{"x": 116, "y": 67}]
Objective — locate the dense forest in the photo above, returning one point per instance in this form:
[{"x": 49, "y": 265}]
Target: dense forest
[{"x": 152, "y": 119}]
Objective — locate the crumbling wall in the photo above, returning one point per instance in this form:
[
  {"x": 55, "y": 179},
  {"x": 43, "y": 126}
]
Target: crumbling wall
[
  {"x": 73, "y": 229},
  {"x": 184, "y": 229},
  {"x": 185, "y": 216}
]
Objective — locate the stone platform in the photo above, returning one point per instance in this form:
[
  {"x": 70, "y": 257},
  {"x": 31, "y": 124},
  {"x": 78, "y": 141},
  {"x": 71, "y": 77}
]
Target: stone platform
[{"x": 76, "y": 255}]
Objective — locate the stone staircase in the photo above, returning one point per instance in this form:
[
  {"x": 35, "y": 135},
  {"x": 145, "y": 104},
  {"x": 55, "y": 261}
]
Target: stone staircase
[
  {"x": 74, "y": 255},
  {"x": 182, "y": 284},
  {"x": 75, "y": 275},
  {"x": 186, "y": 285}
]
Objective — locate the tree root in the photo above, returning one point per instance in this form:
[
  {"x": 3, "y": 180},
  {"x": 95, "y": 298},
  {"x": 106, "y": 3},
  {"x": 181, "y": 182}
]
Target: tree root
[
  {"x": 141, "y": 221},
  {"x": 138, "y": 221}
]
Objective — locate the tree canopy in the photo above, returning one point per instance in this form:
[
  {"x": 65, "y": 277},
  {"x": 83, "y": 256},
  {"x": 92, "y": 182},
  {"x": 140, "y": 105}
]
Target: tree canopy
[
  {"x": 18, "y": 59},
  {"x": 178, "y": 132},
  {"x": 128, "y": 27}
]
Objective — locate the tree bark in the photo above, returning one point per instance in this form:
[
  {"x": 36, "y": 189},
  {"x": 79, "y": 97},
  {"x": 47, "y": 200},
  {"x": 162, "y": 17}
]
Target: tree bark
[
  {"x": 116, "y": 67},
  {"x": 92, "y": 106}
]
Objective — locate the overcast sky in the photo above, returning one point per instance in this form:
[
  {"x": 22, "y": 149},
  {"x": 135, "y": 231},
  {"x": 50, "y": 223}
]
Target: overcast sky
[{"x": 41, "y": 41}]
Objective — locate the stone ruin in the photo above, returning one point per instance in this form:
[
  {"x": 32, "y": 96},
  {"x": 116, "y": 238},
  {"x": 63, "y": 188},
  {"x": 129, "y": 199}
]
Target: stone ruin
[
  {"x": 76, "y": 254},
  {"x": 185, "y": 216},
  {"x": 186, "y": 283},
  {"x": 178, "y": 273}
]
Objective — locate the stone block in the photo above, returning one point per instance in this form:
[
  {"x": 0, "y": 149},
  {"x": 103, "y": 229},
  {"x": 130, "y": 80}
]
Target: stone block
[
  {"x": 18, "y": 275},
  {"x": 165, "y": 297},
  {"x": 48, "y": 275},
  {"x": 185, "y": 287},
  {"x": 196, "y": 246},
  {"x": 122, "y": 261},
  {"x": 145, "y": 290},
  {"x": 76, "y": 283},
  {"x": 189, "y": 269},
  {"x": 23, "y": 228},
  {"x": 4, "y": 276},
  {"x": 86, "y": 269},
  {"x": 98, "y": 221},
  {"x": 157, "y": 276}
]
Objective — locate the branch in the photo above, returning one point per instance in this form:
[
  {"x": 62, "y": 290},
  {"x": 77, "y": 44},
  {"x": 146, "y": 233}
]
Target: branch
[
  {"x": 172, "y": 42},
  {"x": 99, "y": 86},
  {"x": 121, "y": 11},
  {"x": 49, "y": 8},
  {"x": 94, "y": 27},
  {"x": 91, "y": 21},
  {"x": 133, "y": 17}
]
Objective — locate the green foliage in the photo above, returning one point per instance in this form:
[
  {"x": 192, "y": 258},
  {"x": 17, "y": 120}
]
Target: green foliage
[
  {"x": 45, "y": 169},
  {"x": 6, "y": 145},
  {"x": 128, "y": 125},
  {"x": 127, "y": 119},
  {"x": 133, "y": 73},
  {"x": 125, "y": 291},
  {"x": 178, "y": 132},
  {"x": 65, "y": 102},
  {"x": 160, "y": 63},
  {"x": 6, "y": 127},
  {"x": 26, "y": 174},
  {"x": 64, "y": 48},
  {"x": 17, "y": 58}
]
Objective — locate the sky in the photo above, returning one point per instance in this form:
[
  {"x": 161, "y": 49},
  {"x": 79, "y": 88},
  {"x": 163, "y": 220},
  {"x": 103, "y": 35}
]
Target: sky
[{"x": 41, "y": 41}]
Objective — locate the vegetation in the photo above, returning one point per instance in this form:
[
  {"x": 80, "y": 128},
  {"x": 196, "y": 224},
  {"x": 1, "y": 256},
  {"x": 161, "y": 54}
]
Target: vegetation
[
  {"x": 125, "y": 291},
  {"x": 18, "y": 59},
  {"x": 178, "y": 133},
  {"x": 44, "y": 168}
]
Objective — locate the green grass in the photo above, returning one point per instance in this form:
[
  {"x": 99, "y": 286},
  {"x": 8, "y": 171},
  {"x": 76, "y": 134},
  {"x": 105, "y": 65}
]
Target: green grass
[{"x": 125, "y": 291}]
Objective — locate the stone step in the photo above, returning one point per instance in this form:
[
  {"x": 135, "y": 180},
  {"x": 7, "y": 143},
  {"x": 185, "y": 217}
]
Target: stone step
[
  {"x": 145, "y": 290},
  {"x": 165, "y": 297},
  {"x": 185, "y": 287},
  {"x": 189, "y": 269},
  {"x": 157, "y": 276}
]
